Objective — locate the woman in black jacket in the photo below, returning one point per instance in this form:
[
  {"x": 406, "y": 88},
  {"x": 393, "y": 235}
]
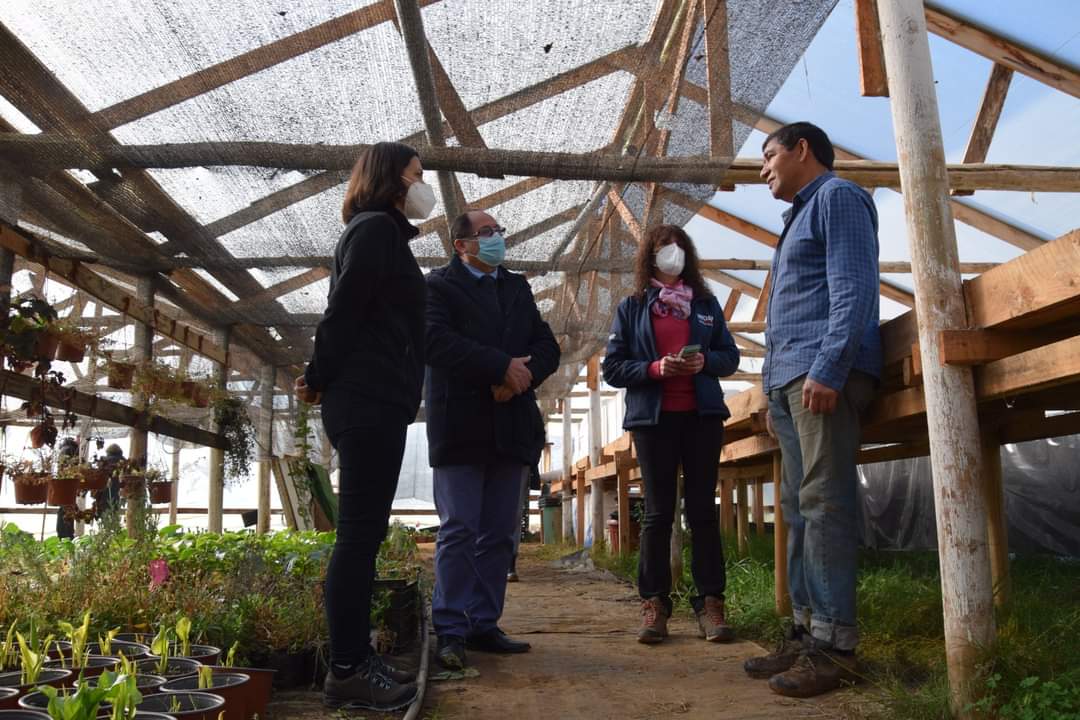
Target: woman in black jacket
[
  {"x": 668, "y": 347},
  {"x": 367, "y": 371}
]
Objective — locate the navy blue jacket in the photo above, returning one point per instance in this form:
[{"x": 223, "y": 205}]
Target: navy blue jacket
[
  {"x": 632, "y": 348},
  {"x": 469, "y": 345}
]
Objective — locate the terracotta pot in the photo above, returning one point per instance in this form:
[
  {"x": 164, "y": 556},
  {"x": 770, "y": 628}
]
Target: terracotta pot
[
  {"x": 46, "y": 345},
  {"x": 260, "y": 686},
  {"x": 161, "y": 492},
  {"x": 30, "y": 492},
  {"x": 193, "y": 705},
  {"x": 71, "y": 350},
  {"x": 230, "y": 687},
  {"x": 120, "y": 375},
  {"x": 62, "y": 491},
  {"x": 201, "y": 397},
  {"x": 42, "y": 435},
  {"x": 94, "y": 479}
]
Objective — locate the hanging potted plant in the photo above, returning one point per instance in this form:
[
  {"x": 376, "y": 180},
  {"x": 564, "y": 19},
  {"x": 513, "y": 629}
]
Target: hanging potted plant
[
  {"x": 44, "y": 433},
  {"x": 73, "y": 341},
  {"x": 31, "y": 483},
  {"x": 64, "y": 485},
  {"x": 159, "y": 485},
  {"x": 119, "y": 374},
  {"x": 132, "y": 478},
  {"x": 156, "y": 382},
  {"x": 230, "y": 414}
]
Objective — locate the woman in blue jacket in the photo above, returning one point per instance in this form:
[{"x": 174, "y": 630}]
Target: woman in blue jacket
[{"x": 668, "y": 347}]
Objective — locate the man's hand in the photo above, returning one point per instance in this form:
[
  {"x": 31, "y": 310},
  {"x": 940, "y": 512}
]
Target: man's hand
[
  {"x": 304, "y": 393},
  {"x": 518, "y": 377},
  {"x": 817, "y": 398},
  {"x": 502, "y": 393}
]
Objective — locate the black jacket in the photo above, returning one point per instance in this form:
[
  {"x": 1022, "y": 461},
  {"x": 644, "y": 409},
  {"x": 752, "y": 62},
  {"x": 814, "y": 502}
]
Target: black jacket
[
  {"x": 632, "y": 347},
  {"x": 469, "y": 346},
  {"x": 369, "y": 345}
]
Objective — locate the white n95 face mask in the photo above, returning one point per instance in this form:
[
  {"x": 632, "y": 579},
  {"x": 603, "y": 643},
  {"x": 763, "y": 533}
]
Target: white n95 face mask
[
  {"x": 670, "y": 259},
  {"x": 419, "y": 200}
]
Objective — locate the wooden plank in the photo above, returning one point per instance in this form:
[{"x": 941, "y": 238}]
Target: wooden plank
[
  {"x": 759, "y": 508},
  {"x": 747, "y": 327},
  {"x": 731, "y": 304},
  {"x": 90, "y": 282},
  {"x": 982, "y": 130},
  {"x": 47, "y": 151},
  {"x": 727, "y": 510},
  {"x": 718, "y": 74},
  {"x": 738, "y": 285},
  {"x": 245, "y": 305},
  {"x": 627, "y": 215},
  {"x": 978, "y": 347},
  {"x": 742, "y": 517},
  {"x": 872, "y": 79},
  {"x": 754, "y": 446},
  {"x": 782, "y": 596},
  {"x": 25, "y": 387},
  {"x": 1036, "y": 369},
  {"x": 1037, "y": 288},
  {"x": 996, "y": 521},
  {"x": 1013, "y": 55}
]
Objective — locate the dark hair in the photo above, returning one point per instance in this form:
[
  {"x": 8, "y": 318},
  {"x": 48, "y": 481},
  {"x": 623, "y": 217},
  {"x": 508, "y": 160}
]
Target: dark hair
[
  {"x": 645, "y": 260},
  {"x": 376, "y": 182},
  {"x": 814, "y": 136}
]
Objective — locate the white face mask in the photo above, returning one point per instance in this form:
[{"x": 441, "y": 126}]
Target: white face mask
[
  {"x": 419, "y": 201},
  {"x": 670, "y": 259}
]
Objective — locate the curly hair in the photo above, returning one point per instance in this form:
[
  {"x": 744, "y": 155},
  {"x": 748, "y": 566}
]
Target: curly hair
[{"x": 645, "y": 260}]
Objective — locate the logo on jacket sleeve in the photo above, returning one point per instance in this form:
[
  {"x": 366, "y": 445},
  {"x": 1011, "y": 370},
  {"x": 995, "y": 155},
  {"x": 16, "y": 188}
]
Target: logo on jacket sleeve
[{"x": 706, "y": 320}]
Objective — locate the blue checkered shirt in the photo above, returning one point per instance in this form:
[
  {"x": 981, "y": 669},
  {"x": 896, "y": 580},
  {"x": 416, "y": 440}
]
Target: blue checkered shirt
[{"x": 823, "y": 305}]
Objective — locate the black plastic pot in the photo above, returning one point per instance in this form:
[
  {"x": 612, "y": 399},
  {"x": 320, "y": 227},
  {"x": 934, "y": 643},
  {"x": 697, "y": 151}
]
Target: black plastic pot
[
  {"x": 291, "y": 669},
  {"x": 233, "y": 688},
  {"x": 147, "y": 715},
  {"x": 21, "y": 714},
  {"x": 94, "y": 666},
  {"x": 193, "y": 705},
  {"x": 131, "y": 650},
  {"x": 141, "y": 638},
  {"x": 9, "y": 698},
  {"x": 57, "y": 677},
  {"x": 177, "y": 667},
  {"x": 260, "y": 687},
  {"x": 40, "y": 701},
  {"x": 205, "y": 654},
  {"x": 144, "y": 683}
]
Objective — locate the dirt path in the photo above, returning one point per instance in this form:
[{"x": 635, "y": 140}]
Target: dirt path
[{"x": 585, "y": 662}]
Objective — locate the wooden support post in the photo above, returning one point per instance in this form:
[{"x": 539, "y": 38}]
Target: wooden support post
[
  {"x": 982, "y": 131},
  {"x": 966, "y": 588},
  {"x": 596, "y": 449},
  {"x": 872, "y": 80},
  {"x": 742, "y": 525},
  {"x": 143, "y": 352},
  {"x": 622, "y": 494},
  {"x": 677, "y": 533},
  {"x": 7, "y": 266},
  {"x": 568, "y": 470},
  {"x": 780, "y": 541},
  {"x": 174, "y": 494},
  {"x": 996, "y": 518},
  {"x": 266, "y": 445},
  {"x": 581, "y": 496},
  {"x": 216, "y": 500},
  {"x": 759, "y": 507},
  {"x": 727, "y": 512}
]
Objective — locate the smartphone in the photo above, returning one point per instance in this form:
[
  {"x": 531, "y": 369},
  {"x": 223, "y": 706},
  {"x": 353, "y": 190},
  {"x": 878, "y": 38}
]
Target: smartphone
[{"x": 689, "y": 350}]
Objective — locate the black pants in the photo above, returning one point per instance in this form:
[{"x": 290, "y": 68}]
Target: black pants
[
  {"x": 370, "y": 460},
  {"x": 695, "y": 442}
]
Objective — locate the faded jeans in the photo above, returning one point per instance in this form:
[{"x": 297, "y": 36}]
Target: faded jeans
[{"x": 818, "y": 497}]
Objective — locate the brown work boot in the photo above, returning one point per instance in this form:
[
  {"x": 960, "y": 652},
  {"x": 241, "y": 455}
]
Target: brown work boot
[
  {"x": 711, "y": 623},
  {"x": 814, "y": 673},
  {"x": 653, "y": 622},
  {"x": 780, "y": 659}
]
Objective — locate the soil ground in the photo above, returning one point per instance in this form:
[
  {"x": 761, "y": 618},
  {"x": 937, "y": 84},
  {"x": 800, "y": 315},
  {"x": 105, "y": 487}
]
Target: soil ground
[{"x": 585, "y": 663}]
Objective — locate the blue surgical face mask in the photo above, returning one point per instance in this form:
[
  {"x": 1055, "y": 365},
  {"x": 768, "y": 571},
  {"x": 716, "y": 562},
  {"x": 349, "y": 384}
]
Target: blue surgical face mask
[{"x": 492, "y": 250}]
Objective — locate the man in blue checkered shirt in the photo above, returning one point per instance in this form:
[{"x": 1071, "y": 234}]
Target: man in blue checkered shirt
[{"x": 822, "y": 364}]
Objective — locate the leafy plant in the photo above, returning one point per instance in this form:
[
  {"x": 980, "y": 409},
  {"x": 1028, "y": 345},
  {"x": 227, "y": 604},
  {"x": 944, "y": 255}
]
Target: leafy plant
[
  {"x": 230, "y": 415},
  {"x": 206, "y": 677},
  {"x": 105, "y": 641},
  {"x": 83, "y": 704},
  {"x": 9, "y": 650},
  {"x": 230, "y": 657},
  {"x": 183, "y": 632},
  {"x": 159, "y": 646},
  {"x": 77, "y": 636},
  {"x": 123, "y": 693},
  {"x": 32, "y": 661}
]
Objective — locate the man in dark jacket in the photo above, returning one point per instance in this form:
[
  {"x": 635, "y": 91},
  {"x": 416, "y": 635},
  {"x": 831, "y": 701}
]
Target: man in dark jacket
[{"x": 487, "y": 350}]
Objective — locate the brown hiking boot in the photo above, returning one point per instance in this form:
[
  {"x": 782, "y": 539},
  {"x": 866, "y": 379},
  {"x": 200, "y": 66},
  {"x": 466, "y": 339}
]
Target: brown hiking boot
[
  {"x": 653, "y": 622},
  {"x": 711, "y": 623},
  {"x": 780, "y": 659},
  {"x": 814, "y": 673}
]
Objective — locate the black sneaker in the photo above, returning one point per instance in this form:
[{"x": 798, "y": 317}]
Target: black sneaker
[
  {"x": 368, "y": 688},
  {"x": 396, "y": 674},
  {"x": 450, "y": 652}
]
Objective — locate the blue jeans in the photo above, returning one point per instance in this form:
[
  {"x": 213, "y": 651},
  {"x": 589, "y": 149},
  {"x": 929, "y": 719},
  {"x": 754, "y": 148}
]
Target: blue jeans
[
  {"x": 818, "y": 497},
  {"x": 479, "y": 512}
]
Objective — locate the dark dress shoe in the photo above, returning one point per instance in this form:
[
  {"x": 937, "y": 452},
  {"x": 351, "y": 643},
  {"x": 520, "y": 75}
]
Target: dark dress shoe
[
  {"x": 496, "y": 641},
  {"x": 450, "y": 652}
]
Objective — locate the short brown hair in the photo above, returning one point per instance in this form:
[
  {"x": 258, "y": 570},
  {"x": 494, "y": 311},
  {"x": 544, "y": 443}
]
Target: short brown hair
[
  {"x": 375, "y": 183},
  {"x": 645, "y": 260}
]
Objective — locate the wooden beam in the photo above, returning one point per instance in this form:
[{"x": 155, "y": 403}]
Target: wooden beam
[
  {"x": 740, "y": 286},
  {"x": 1013, "y": 55},
  {"x": 982, "y": 130},
  {"x": 277, "y": 290},
  {"x": 872, "y": 80},
  {"x": 978, "y": 347},
  {"x": 86, "y": 280},
  {"x": 25, "y": 387},
  {"x": 747, "y": 327},
  {"x": 718, "y": 73},
  {"x": 46, "y": 152}
]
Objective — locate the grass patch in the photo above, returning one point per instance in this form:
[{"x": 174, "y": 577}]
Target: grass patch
[{"x": 1032, "y": 673}]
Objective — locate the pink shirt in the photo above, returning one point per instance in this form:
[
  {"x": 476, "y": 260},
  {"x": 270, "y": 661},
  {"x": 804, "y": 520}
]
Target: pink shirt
[{"x": 672, "y": 335}]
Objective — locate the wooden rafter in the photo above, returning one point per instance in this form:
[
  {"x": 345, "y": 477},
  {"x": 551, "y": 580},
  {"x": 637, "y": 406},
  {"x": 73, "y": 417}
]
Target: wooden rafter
[
  {"x": 982, "y": 130},
  {"x": 718, "y": 72},
  {"x": 872, "y": 79}
]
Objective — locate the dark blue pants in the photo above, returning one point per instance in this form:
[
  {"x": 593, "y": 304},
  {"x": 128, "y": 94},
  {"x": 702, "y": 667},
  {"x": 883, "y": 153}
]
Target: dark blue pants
[{"x": 479, "y": 513}]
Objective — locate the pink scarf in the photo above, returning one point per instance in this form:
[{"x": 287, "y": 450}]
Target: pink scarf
[{"x": 673, "y": 300}]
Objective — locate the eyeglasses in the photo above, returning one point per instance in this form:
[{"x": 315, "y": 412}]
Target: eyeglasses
[{"x": 485, "y": 232}]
